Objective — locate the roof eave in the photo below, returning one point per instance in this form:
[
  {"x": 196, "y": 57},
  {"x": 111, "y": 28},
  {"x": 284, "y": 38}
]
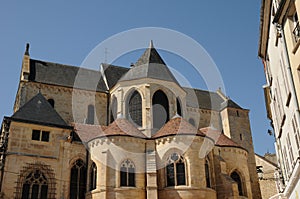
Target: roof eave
[
  {"x": 265, "y": 14},
  {"x": 281, "y": 11},
  {"x": 39, "y": 123},
  {"x": 219, "y": 145}
]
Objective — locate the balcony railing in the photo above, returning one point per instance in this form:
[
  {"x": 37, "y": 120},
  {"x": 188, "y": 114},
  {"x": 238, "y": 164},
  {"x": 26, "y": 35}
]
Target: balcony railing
[{"x": 296, "y": 32}]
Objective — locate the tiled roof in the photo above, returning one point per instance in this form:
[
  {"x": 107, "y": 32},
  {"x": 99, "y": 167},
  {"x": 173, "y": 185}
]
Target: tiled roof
[
  {"x": 87, "y": 132},
  {"x": 64, "y": 75},
  {"x": 39, "y": 111},
  {"x": 113, "y": 73},
  {"x": 121, "y": 127},
  {"x": 150, "y": 56},
  {"x": 197, "y": 98},
  {"x": 150, "y": 65},
  {"x": 177, "y": 126},
  {"x": 219, "y": 138}
]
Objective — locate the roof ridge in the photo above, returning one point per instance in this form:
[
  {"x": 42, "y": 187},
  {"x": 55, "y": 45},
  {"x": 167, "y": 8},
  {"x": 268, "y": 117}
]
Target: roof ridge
[{"x": 65, "y": 65}]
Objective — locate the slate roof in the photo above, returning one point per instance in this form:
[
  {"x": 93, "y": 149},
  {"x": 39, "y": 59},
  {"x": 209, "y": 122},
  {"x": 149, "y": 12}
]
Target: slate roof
[
  {"x": 197, "y": 98},
  {"x": 150, "y": 65},
  {"x": 113, "y": 73},
  {"x": 39, "y": 111},
  {"x": 65, "y": 75},
  {"x": 150, "y": 56},
  {"x": 177, "y": 126}
]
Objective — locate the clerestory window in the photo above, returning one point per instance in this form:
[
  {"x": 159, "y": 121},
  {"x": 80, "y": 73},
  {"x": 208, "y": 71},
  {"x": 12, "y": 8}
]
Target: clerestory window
[{"x": 135, "y": 108}]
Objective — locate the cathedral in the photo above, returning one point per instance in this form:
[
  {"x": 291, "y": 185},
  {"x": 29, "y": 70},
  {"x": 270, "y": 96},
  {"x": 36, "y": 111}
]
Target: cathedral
[{"x": 123, "y": 133}]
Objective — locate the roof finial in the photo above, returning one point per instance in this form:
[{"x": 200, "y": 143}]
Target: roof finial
[
  {"x": 27, "y": 49},
  {"x": 151, "y": 44}
]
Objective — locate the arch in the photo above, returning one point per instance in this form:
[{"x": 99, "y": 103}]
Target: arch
[
  {"x": 178, "y": 104},
  {"x": 127, "y": 173},
  {"x": 175, "y": 170},
  {"x": 93, "y": 176},
  {"x": 78, "y": 180},
  {"x": 135, "y": 108},
  {"x": 160, "y": 109},
  {"x": 237, "y": 178},
  {"x": 207, "y": 173},
  {"x": 36, "y": 181},
  {"x": 51, "y": 102},
  {"x": 113, "y": 109},
  {"x": 90, "y": 114}
]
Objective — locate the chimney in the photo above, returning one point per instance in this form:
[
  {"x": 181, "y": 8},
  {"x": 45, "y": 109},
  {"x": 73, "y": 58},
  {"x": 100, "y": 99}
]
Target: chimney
[{"x": 26, "y": 64}]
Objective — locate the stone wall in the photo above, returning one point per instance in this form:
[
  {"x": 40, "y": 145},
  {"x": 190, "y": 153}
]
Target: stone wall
[
  {"x": 71, "y": 104},
  {"x": 23, "y": 153}
]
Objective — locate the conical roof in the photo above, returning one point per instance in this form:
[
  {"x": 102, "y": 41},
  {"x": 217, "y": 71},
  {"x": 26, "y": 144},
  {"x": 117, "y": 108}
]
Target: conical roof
[
  {"x": 150, "y": 56},
  {"x": 177, "y": 126},
  {"x": 149, "y": 65},
  {"x": 122, "y": 126},
  {"x": 39, "y": 111},
  {"x": 219, "y": 138}
]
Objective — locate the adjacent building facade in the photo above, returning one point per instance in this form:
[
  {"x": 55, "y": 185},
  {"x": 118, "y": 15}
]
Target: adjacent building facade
[
  {"x": 280, "y": 53},
  {"x": 267, "y": 174},
  {"x": 121, "y": 133}
]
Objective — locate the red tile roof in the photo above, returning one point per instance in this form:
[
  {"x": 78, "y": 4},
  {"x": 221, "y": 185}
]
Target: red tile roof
[
  {"x": 177, "y": 126},
  {"x": 123, "y": 127},
  {"x": 219, "y": 138},
  {"x": 88, "y": 132}
]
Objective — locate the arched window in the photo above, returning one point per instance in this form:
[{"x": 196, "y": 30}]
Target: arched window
[
  {"x": 127, "y": 174},
  {"x": 35, "y": 186},
  {"x": 135, "y": 108},
  {"x": 78, "y": 180},
  {"x": 113, "y": 109},
  {"x": 175, "y": 170},
  {"x": 192, "y": 121},
  {"x": 90, "y": 115},
  {"x": 178, "y": 107},
  {"x": 93, "y": 176},
  {"x": 207, "y": 174},
  {"x": 236, "y": 177},
  {"x": 160, "y": 107},
  {"x": 51, "y": 102}
]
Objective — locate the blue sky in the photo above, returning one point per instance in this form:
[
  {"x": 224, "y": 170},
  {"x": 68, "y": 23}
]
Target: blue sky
[{"x": 66, "y": 32}]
